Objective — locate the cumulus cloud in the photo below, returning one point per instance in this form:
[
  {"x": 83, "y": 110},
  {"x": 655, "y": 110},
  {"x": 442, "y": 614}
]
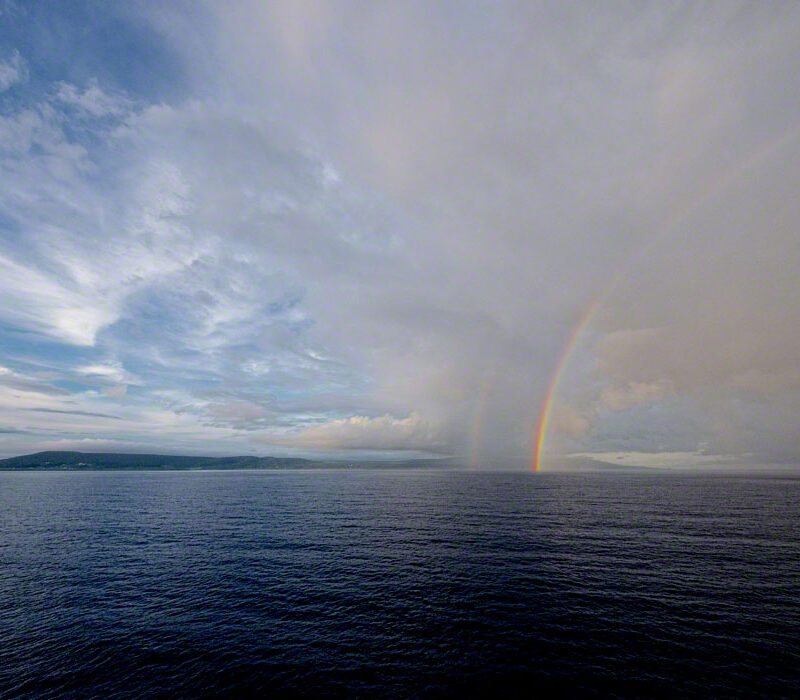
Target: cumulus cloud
[{"x": 363, "y": 433}]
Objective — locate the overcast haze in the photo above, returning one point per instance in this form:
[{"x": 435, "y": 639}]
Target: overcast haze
[{"x": 371, "y": 229}]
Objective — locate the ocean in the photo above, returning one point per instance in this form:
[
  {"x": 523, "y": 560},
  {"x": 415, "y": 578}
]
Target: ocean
[{"x": 398, "y": 584}]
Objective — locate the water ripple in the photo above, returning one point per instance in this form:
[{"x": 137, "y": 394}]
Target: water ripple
[{"x": 398, "y": 584}]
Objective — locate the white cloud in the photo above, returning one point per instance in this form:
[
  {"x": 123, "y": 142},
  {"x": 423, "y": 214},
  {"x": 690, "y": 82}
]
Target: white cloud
[
  {"x": 364, "y": 433},
  {"x": 92, "y": 99},
  {"x": 13, "y": 71},
  {"x": 664, "y": 459},
  {"x": 111, "y": 370}
]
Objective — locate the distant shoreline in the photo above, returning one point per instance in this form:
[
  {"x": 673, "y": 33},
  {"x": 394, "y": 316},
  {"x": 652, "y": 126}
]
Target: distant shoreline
[{"x": 113, "y": 461}]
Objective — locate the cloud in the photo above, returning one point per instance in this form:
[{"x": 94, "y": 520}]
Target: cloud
[
  {"x": 74, "y": 413},
  {"x": 112, "y": 376},
  {"x": 364, "y": 433},
  {"x": 94, "y": 445},
  {"x": 21, "y": 383},
  {"x": 92, "y": 100},
  {"x": 116, "y": 392},
  {"x": 13, "y": 71},
  {"x": 618, "y": 398},
  {"x": 685, "y": 460}
]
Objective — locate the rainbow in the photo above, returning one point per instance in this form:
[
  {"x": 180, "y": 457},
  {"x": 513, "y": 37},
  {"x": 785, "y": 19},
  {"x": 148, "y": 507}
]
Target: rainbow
[
  {"x": 552, "y": 388},
  {"x": 715, "y": 187}
]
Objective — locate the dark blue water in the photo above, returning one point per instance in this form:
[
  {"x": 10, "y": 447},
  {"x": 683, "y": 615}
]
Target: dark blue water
[{"x": 398, "y": 584}]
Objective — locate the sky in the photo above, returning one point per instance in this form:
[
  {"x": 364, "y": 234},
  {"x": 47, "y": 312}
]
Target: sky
[{"x": 402, "y": 229}]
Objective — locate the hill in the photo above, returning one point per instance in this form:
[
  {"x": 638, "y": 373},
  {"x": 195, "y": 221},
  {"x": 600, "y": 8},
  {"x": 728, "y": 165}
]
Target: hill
[
  {"x": 89, "y": 461},
  {"x": 119, "y": 461}
]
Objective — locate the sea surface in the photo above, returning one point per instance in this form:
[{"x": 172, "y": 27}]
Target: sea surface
[{"x": 398, "y": 584}]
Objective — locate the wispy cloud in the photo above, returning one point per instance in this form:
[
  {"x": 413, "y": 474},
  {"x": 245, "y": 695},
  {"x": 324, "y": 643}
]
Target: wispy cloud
[
  {"x": 26, "y": 384},
  {"x": 12, "y": 71},
  {"x": 74, "y": 413},
  {"x": 92, "y": 100}
]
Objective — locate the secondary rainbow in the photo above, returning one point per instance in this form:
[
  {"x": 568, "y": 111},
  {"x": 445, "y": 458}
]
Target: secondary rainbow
[{"x": 477, "y": 425}]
